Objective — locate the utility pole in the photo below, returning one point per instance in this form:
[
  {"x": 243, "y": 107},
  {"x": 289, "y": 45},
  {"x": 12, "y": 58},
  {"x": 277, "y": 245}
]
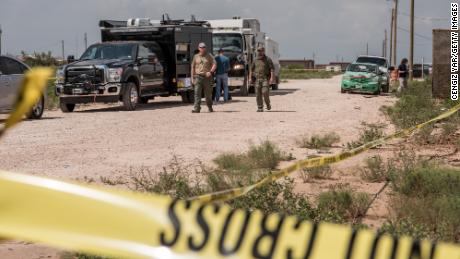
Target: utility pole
[
  {"x": 411, "y": 52},
  {"x": 391, "y": 35},
  {"x": 385, "y": 45},
  {"x": 63, "y": 53},
  {"x": 0, "y": 40},
  {"x": 395, "y": 33},
  {"x": 86, "y": 41}
]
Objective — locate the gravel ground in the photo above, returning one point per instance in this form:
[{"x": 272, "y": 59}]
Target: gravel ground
[{"x": 100, "y": 140}]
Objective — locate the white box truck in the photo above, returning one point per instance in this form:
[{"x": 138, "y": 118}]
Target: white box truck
[
  {"x": 272, "y": 51},
  {"x": 239, "y": 38}
]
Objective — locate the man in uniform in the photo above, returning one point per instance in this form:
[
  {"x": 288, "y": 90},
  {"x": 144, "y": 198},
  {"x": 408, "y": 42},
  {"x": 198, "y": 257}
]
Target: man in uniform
[
  {"x": 264, "y": 72},
  {"x": 203, "y": 68}
]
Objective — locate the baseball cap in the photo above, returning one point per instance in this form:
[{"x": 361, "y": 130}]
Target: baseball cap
[{"x": 202, "y": 45}]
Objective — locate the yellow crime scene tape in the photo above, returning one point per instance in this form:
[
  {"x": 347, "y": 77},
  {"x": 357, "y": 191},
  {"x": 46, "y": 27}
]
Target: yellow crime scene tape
[
  {"x": 29, "y": 94},
  {"x": 316, "y": 162},
  {"x": 135, "y": 225},
  {"x": 132, "y": 225}
]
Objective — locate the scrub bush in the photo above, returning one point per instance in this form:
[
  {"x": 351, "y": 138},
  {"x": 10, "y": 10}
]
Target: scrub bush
[
  {"x": 318, "y": 173},
  {"x": 425, "y": 203},
  {"x": 264, "y": 156},
  {"x": 375, "y": 170},
  {"x": 414, "y": 106},
  {"x": 319, "y": 141},
  {"x": 342, "y": 204},
  {"x": 369, "y": 132}
]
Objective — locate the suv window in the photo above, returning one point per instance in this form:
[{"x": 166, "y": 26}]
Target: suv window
[{"x": 10, "y": 66}]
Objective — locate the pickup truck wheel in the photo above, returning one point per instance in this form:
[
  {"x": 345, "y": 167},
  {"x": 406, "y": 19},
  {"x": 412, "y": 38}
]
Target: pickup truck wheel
[
  {"x": 37, "y": 111},
  {"x": 67, "y": 107},
  {"x": 130, "y": 96}
]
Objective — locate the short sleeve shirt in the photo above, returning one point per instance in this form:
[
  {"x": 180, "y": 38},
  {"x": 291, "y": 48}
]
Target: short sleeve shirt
[
  {"x": 403, "y": 71},
  {"x": 203, "y": 64},
  {"x": 262, "y": 67}
]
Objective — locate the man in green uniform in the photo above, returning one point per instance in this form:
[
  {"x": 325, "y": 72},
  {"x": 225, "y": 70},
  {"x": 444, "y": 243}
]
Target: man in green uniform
[
  {"x": 203, "y": 67},
  {"x": 264, "y": 72}
]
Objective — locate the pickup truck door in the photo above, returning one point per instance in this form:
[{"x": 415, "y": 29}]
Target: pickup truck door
[
  {"x": 12, "y": 74},
  {"x": 146, "y": 70},
  {"x": 158, "y": 75}
]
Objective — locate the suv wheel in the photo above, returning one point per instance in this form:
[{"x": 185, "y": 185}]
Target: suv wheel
[
  {"x": 130, "y": 96},
  {"x": 67, "y": 107},
  {"x": 37, "y": 111}
]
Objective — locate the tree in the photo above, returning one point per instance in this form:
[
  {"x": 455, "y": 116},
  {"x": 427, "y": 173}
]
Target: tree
[{"x": 39, "y": 59}]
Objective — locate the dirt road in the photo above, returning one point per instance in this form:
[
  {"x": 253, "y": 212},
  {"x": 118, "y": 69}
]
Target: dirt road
[{"x": 98, "y": 140}]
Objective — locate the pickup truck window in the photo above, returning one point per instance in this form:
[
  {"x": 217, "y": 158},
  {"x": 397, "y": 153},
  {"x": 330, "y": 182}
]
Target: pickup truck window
[
  {"x": 110, "y": 51},
  {"x": 147, "y": 50}
]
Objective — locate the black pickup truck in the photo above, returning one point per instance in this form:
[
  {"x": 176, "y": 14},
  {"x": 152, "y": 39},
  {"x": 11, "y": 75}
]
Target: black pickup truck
[{"x": 133, "y": 64}]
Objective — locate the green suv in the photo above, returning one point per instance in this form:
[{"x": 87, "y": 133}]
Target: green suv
[{"x": 364, "y": 78}]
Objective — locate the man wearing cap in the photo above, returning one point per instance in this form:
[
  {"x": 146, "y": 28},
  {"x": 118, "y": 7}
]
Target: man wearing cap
[
  {"x": 264, "y": 73},
  {"x": 203, "y": 67}
]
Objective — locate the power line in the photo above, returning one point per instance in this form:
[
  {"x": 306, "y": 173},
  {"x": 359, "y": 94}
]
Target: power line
[
  {"x": 416, "y": 34},
  {"x": 425, "y": 18}
]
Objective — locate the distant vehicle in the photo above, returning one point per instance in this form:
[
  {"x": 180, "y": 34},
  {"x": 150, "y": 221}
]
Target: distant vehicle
[
  {"x": 334, "y": 68},
  {"x": 11, "y": 74},
  {"x": 137, "y": 60},
  {"x": 379, "y": 61},
  {"x": 364, "y": 78},
  {"x": 418, "y": 70},
  {"x": 240, "y": 38}
]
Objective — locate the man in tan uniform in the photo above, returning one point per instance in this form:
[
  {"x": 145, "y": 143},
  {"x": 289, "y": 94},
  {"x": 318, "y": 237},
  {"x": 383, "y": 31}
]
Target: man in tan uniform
[
  {"x": 203, "y": 67},
  {"x": 264, "y": 72}
]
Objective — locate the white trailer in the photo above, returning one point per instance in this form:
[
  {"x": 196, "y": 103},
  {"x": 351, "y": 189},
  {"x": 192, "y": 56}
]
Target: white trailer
[{"x": 272, "y": 51}]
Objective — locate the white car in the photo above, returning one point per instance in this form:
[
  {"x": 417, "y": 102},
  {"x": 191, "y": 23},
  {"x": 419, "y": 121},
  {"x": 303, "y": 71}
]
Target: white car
[{"x": 11, "y": 74}]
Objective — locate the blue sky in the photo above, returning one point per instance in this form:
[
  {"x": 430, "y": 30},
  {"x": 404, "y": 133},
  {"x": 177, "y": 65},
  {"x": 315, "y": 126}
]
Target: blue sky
[{"x": 328, "y": 28}]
